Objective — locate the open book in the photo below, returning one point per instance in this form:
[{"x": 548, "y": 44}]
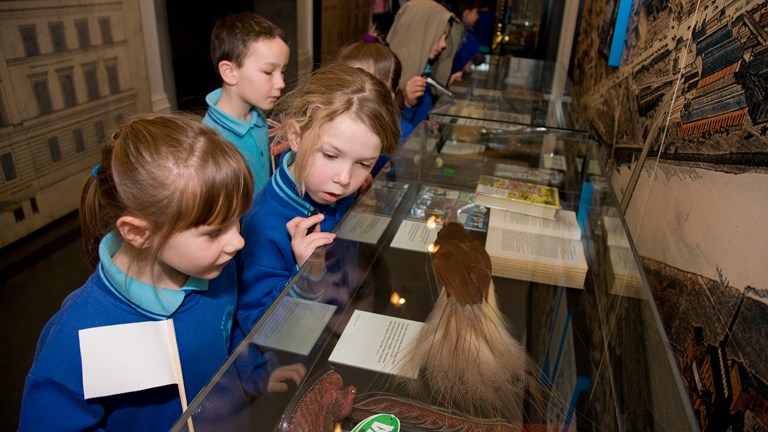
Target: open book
[{"x": 537, "y": 250}]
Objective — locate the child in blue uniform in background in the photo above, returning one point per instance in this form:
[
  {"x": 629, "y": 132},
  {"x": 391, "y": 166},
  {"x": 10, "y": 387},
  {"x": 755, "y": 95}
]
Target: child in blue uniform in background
[
  {"x": 423, "y": 34},
  {"x": 468, "y": 53},
  {"x": 373, "y": 55},
  {"x": 160, "y": 219},
  {"x": 337, "y": 124},
  {"x": 250, "y": 55}
]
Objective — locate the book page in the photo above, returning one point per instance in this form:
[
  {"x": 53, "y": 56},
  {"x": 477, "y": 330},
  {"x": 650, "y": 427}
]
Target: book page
[
  {"x": 294, "y": 326},
  {"x": 374, "y": 342},
  {"x": 363, "y": 227},
  {"x": 519, "y": 245},
  {"x": 564, "y": 225}
]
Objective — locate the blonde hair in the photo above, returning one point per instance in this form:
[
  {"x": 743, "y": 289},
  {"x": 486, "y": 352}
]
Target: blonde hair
[
  {"x": 330, "y": 92},
  {"x": 170, "y": 170}
]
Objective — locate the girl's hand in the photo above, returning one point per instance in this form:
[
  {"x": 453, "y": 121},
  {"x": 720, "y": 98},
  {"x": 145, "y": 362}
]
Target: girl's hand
[
  {"x": 279, "y": 378},
  {"x": 303, "y": 242},
  {"x": 414, "y": 89}
]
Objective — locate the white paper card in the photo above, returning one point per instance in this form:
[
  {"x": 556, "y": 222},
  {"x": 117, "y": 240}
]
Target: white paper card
[
  {"x": 374, "y": 341},
  {"x": 294, "y": 325},
  {"x": 127, "y": 357},
  {"x": 412, "y": 235},
  {"x": 363, "y": 227}
]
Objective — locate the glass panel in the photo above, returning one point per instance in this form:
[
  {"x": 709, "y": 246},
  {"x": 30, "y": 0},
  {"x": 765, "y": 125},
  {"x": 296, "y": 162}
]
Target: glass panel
[
  {"x": 509, "y": 89},
  {"x": 583, "y": 345}
]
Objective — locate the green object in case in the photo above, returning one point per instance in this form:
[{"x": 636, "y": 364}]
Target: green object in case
[{"x": 378, "y": 423}]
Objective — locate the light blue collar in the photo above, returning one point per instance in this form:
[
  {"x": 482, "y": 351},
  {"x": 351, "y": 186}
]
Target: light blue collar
[
  {"x": 157, "y": 303},
  {"x": 226, "y": 121}
]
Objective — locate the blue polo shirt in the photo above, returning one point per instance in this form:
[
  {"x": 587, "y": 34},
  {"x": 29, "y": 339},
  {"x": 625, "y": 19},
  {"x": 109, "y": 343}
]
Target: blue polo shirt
[{"x": 250, "y": 137}]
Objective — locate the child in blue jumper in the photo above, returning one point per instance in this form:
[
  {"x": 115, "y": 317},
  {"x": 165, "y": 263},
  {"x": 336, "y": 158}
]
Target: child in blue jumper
[
  {"x": 337, "y": 124},
  {"x": 160, "y": 220}
]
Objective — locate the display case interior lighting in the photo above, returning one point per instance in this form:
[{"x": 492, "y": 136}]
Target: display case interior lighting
[{"x": 396, "y": 300}]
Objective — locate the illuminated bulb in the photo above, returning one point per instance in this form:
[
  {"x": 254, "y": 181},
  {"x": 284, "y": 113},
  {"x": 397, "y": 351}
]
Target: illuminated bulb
[
  {"x": 396, "y": 300},
  {"x": 432, "y": 222}
]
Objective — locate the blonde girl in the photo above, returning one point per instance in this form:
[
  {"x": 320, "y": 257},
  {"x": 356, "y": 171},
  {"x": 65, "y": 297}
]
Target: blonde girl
[{"x": 337, "y": 125}]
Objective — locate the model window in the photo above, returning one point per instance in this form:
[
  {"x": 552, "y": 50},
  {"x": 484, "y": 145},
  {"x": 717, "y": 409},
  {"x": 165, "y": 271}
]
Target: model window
[
  {"x": 106, "y": 30},
  {"x": 67, "y": 87},
  {"x": 58, "y": 39},
  {"x": 83, "y": 33},
  {"x": 99, "y": 125},
  {"x": 3, "y": 118},
  {"x": 29, "y": 39},
  {"x": 77, "y": 137},
  {"x": 91, "y": 81},
  {"x": 53, "y": 147},
  {"x": 9, "y": 168},
  {"x": 112, "y": 78},
  {"x": 43, "y": 96}
]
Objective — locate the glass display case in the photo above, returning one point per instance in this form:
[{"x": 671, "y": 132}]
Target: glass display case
[
  {"x": 509, "y": 90},
  {"x": 584, "y": 350}
]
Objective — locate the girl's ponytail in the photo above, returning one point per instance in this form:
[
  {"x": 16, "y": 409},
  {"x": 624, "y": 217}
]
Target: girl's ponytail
[{"x": 99, "y": 202}]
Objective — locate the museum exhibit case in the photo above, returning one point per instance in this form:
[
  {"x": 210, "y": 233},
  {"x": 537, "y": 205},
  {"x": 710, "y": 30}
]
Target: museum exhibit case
[
  {"x": 449, "y": 315},
  {"x": 509, "y": 89}
]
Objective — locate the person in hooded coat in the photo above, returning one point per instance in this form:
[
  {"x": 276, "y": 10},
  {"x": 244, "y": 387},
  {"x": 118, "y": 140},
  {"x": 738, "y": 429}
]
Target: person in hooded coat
[{"x": 424, "y": 36}]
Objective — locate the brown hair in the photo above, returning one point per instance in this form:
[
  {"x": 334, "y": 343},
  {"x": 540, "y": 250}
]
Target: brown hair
[
  {"x": 374, "y": 56},
  {"x": 170, "y": 170},
  {"x": 233, "y": 34},
  {"x": 330, "y": 92}
]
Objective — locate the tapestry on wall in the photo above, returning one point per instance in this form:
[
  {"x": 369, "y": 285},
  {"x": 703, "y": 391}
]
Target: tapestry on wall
[{"x": 684, "y": 125}]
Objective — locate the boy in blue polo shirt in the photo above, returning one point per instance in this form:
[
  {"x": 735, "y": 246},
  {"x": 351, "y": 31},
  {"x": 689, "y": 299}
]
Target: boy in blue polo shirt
[{"x": 250, "y": 54}]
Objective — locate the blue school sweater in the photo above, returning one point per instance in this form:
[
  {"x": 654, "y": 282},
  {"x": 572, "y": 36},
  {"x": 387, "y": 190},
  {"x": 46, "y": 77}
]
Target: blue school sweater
[
  {"x": 267, "y": 261},
  {"x": 202, "y": 312}
]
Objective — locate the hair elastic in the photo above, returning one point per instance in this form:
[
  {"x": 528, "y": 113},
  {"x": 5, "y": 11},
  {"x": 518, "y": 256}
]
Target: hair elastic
[
  {"x": 95, "y": 170},
  {"x": 370, "y": 38}
]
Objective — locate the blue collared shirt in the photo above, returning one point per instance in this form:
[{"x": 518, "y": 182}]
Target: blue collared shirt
[{"x": 250, "y": 137}]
